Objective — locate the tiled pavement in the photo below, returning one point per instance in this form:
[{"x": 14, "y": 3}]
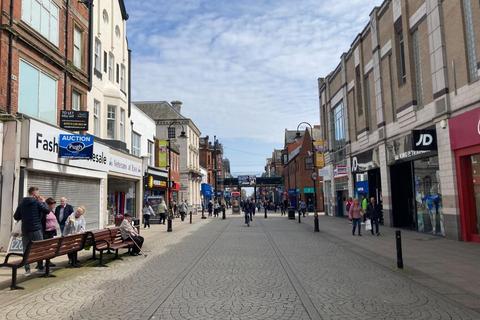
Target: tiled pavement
[{"x": 216, "y": 269}]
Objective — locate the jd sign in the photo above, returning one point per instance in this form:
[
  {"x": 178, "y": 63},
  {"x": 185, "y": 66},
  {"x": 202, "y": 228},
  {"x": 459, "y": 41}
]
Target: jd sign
[{"x": 424, "y": 140}]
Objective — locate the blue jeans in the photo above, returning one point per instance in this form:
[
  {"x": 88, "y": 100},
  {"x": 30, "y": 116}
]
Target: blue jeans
[{"x": 356, "y": 222}]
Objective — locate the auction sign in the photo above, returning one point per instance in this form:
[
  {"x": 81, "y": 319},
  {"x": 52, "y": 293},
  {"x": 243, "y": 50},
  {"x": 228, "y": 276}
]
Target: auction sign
[
  {"x": 75, "y": 146},
  {"x": 74, "y": 120}
]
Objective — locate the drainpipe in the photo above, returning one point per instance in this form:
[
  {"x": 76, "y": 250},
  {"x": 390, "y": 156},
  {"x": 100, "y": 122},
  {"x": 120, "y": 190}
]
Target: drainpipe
[
  {"x": 129, "y": 81},
  {"x": 10, "y": 60},
  {"x": 67, "y": 7}
]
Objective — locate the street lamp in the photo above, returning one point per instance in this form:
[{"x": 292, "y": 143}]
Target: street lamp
[
  {"x": 169, "y": 187},
  {"x": 314, "y": 176}
]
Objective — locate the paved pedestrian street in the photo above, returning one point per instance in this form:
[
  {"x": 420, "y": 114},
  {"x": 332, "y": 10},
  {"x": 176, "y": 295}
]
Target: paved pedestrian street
[{"x": 221, "y": 269}]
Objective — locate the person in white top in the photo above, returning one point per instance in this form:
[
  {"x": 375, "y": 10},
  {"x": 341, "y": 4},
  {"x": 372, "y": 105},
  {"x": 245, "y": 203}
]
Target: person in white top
[
  {"x": 147, "y": 212},
  {"x": 75, "y": 224}
]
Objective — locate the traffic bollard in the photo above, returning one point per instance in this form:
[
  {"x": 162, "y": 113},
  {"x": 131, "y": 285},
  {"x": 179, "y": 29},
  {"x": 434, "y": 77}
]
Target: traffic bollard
[
  {"x": 265, "y": 214},
  {"x": 203, "y": 214},
  {"x": 398, "y": 237},
  {"x": 224, "y": 215},
  {"x": 316, "y": 229},
  {"x": 169, "y": 224},
  {"x": 299, "y": 215},
  {"x": 190, "y": 217}
]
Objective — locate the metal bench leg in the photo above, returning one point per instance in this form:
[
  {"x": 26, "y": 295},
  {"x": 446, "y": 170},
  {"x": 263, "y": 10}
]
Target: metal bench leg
[
  {"x": 47, "y": 270},
  {"x": 94, "y": 256},
  {"x": 100, "y": 262},
  {"x": 14, "y": 286}
]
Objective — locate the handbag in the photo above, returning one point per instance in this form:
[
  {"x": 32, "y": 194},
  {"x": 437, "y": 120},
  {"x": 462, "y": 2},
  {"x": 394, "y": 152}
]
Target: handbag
[{"x": 368, "y": 225}]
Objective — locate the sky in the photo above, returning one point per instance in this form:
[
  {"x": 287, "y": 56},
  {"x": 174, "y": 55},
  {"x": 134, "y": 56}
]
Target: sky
[{"x": 245, "y": 70}]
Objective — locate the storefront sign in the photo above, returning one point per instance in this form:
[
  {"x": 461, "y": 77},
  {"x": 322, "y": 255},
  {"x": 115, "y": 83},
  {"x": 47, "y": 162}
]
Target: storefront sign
[
  {"x": 340, "y": 170},
  {"x": 308, "y": 190},
  {"x": 75, "y": 146},
  {"x": 162, "y": 154},
  {"x": 424, "y": 140},
  {"x": 74, "y": 120},
  {"x": 319, "y": 153},
  {"x": 156, "y": 182},
  {"x": 122, "y": 164},
  {"x": 465, "y": 129},
  {"x": 361, "y": 187},
  {"x": 401, "y": 150},
  {"x": 325, "y": 173},
  {"x": 365, "y": 161}
]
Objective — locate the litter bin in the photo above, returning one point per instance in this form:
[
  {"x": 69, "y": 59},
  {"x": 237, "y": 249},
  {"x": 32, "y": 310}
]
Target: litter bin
[{"x": 291, "y": 213}]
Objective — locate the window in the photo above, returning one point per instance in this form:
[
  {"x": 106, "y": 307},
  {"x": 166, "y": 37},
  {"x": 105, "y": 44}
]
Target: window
[
  {"x": 111, "y": 119},
  {"x": 98, "y": 57},
  {"x": 470, "y": 39},
  {"x": 117, "y": 31},
  {"x": 105, "y": 61},
  {"x": 105, "y": 16},
  {"x": 122, "y": 78},
  {"x": 171, "y": 133},
  {"x": 117, "y": 74},
  {"x": 366, "y": 88},
  {"x": 42, "y": 15},
  {"x": 76, "y": 100},
  {"x": 96, "y": 117},
  {"x": 122, "y": 125},
  {"x": 77, "y": 47},
  {"x": 339, "y": 123},
  {"x": 136, "y": 144},
  {"x": 402, "y": 71},
  {"x": 151, "y": 160},
  {"x": 418, "y": 68},
  {"x": 37, "y": 94},
  {"x": 111, "y": 63},
  {"x": 359, "y": 92}
]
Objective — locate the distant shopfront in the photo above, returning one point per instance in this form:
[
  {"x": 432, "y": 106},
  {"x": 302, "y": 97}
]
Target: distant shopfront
[
  {"x": 465, "y": 142},
  {"x": 415, "y": 183},
  {"x": 366, "y": 174}
]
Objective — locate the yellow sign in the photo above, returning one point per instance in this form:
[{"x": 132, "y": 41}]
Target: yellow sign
[
  {"x": 162, "y": 154},
  {"x": 150, "y": 182},
  {"x": 319, "y": 153}
]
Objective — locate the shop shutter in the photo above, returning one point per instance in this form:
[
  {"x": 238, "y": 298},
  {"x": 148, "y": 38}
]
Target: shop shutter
[{"x": 79, "y": 192}]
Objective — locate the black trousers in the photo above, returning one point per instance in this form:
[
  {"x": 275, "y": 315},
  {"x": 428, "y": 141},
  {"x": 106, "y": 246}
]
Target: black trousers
[
  {"x": 146, "y": 220},
  {"x": 375, "y": 223},
  {"x": 139, "y": 241}
]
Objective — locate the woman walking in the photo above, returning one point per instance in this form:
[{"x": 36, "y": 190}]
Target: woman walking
[
  {"x": 355, "y": 214},
  {"x": 147, "y": 212}
]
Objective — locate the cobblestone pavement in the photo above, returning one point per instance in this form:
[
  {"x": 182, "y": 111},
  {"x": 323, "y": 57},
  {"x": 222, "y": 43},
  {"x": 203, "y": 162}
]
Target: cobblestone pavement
[{"x": 220, "y": 269}]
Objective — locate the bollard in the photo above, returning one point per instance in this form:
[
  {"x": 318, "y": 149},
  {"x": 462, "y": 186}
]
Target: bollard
[
  {"x": 316, "y": 228},
  {"x": 299, "y": 215},
  {"x": 398, "y": 237},
  {"x": 203, "y": 214},
  {"x": 265, "y": 214},
  {"x": 224, "y": 215},
  {"x": 190, "y": 217},
  {"x": 169, "y": 224}
]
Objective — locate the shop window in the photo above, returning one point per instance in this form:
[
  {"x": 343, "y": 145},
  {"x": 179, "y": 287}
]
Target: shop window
[
  {"x": 475, "y": 178},
  {"x": 96, "y": 117},
  {"x": 339, "y": 124},
  {"x": 77, "y": 47},
  {"x": 111, "y": 122},
  {"x": 470, "y": 39},
  {"x": 76, "y": 100},
  {"x": 121, "y": 199},
  {"x": 122, "y": 125},
  {"x": 37, "y": 96},
  {"x": 42, "y": 15},
  {"x": 136, "y": 144}
]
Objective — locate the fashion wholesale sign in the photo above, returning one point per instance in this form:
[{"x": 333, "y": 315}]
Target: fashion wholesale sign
[{"x": 75, "y": 146}]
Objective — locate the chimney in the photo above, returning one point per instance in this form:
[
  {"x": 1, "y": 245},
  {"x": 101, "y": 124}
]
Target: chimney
[{"x": 177, "y": 105}]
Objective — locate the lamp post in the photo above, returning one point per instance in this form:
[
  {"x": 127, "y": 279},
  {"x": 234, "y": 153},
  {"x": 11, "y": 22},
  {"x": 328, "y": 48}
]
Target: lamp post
[
  {"x": 314, "y": 177},
  {"x": 169, "y": 187}
]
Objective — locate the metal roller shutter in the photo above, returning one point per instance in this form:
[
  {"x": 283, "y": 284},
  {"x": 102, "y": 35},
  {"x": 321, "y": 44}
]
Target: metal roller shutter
[{"x": 79, "y": 192}]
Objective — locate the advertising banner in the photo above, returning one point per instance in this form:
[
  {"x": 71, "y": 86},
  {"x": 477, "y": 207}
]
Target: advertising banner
[
  {"x": 319, "y": 153},
  {"x": 75, "y": 146},
  {"x": 247, "y": 180},
  {"x": 74, "y": 120},
  {"x": 162, "y": 153}
]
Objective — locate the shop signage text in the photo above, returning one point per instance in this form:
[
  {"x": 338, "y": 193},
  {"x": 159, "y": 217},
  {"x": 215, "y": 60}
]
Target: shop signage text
[
  {"x": 424, "y": 140},
  {"x": 74, "y": 120},
  {"x": 465, "y": 129},
  {"x": 75, "y": 146}
]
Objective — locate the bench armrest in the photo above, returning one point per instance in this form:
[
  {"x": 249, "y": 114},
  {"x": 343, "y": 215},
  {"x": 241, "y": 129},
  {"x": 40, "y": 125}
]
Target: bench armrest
[
  {"x": 12, "y": 254},
  {"x": 96, "y": 242}
]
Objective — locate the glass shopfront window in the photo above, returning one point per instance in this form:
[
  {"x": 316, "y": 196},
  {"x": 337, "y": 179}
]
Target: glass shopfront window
[
  {"x": 428, "y": 198},
  {"x": 475, "y": 162},
  {"x": 121, "y": 199}
]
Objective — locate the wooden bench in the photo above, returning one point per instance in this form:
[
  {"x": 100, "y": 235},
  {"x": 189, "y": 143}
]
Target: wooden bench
[
  {"x": 101, "y": 240},
  {"x": 36, "y": 251},
  {"x": 72, "y": 243},
  {"x": 118, "y": 242}
]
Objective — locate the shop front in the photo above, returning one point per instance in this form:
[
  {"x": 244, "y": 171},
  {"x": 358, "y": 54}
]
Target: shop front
[
  {"x": 415, "y": 182},
  {"x": 325, "y": 175},
  {"x": 465, "y": 142},
  {"x": 340, "y": 178},
  {"x": 366, "y": 175}
]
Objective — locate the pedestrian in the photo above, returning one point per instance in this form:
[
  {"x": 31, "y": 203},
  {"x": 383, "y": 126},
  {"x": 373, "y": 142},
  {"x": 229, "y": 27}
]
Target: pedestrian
[
  {"x": 31, "y": 211},
  {"x": 223, "y": 207},
  {"x": 251, "y": 210},
  {"x": 210, "y": 208},
  {"x": 265, "y": 207},
  {"x": 246, "y": 210},
  {"x": 364, "y": 205},
  {"x": 62, "y": 212},
  {"x": 183, "y": 208},
  {"x": 51, "y": 228},
  {"x": 374, "y": 213},
  {"x": 348, "y": 204},
  {"x": 303, "y": 207},
  {"x": 355, "y": 215},
  {"x": 147, "y": 212},
  {"x": 216, "y": 208},
  {"x": 130, "y": 233},
  {"x": 75, "y": 224},
  {"x": 162, "y": 211}
]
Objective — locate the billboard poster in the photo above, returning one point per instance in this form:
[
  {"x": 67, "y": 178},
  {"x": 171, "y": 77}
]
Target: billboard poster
[
  {"x": 319, "y": 153},
  {"x": 246, "y": 181},
  {"x": 74, "y": 120},
  {"x": 75, "y": 146},
  {"x": 162, "y": 154}
]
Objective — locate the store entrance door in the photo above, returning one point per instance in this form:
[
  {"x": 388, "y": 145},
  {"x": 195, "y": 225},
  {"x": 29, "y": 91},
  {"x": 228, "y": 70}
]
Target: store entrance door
[
  {"x": 470, "y": 195},
  {"x": 374, "y": 184},
  {"x": 403, "y": 211}
]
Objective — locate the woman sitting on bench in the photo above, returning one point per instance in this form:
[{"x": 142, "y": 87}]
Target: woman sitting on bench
[{"x": 75, "y": 224}]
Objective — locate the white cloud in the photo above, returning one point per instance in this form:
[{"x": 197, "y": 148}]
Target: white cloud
[{"x": 243, "y": 68}]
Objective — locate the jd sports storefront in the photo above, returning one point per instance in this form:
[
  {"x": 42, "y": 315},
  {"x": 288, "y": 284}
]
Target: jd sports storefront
[{"x": 415, "y": 184}]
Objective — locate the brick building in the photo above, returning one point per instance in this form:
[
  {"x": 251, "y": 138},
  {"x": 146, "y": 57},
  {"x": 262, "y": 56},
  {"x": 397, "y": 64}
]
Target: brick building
[
  {"x": 391, "y": 114},
  {"x": 211, "y": 158}
]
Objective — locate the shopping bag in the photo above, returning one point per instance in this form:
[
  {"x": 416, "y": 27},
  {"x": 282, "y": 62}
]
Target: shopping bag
[
  {"x": 368, "y": 225},
  {"x": 17, "y": 229}
]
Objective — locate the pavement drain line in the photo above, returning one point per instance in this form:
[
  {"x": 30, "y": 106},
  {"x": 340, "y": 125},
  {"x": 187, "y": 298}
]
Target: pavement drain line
[
  {"x": 294, "y": 281},
  {"x": 149, "y": 313}
]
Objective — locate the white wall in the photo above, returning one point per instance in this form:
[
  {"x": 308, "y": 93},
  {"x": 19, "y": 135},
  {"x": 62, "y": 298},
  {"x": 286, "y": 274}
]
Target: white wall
[{"x": 144, "y": 126}]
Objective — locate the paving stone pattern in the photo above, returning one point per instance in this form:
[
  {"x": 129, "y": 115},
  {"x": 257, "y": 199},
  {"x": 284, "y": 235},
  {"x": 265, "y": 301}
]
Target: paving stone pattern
[{"x": 223, "y": 270}]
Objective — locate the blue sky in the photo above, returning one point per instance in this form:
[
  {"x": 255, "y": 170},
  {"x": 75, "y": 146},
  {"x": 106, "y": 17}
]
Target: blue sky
[{"x": 244, "y": 69}]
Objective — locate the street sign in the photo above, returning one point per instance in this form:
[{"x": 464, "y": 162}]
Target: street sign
[
  {"x": 314, "y": 176},
  {"x": 74, "y": 120},
  {"x": 75, "y": 146}
]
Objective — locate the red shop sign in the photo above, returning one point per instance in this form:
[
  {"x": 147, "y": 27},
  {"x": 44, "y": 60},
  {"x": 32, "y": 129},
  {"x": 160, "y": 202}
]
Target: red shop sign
[{"x": 465, "y": 129}]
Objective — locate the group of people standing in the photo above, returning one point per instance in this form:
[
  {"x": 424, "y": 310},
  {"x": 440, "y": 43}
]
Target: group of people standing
[
  {"x": 41, "y": 219},
  {"x": 366, "y": 209},
  {"x": 163, "y": 211},
  {"x": 215, "y": 207}
]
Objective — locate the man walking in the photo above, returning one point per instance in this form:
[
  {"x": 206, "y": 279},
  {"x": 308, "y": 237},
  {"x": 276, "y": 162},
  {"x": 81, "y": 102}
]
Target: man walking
[
  {"x": 183, "y": 208},
  {"x": 62, "y": 212},
  {"x": 162, "y": 211},
  {"x": 31, "y": 211},
  {"x": 373, "y": 213}
]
